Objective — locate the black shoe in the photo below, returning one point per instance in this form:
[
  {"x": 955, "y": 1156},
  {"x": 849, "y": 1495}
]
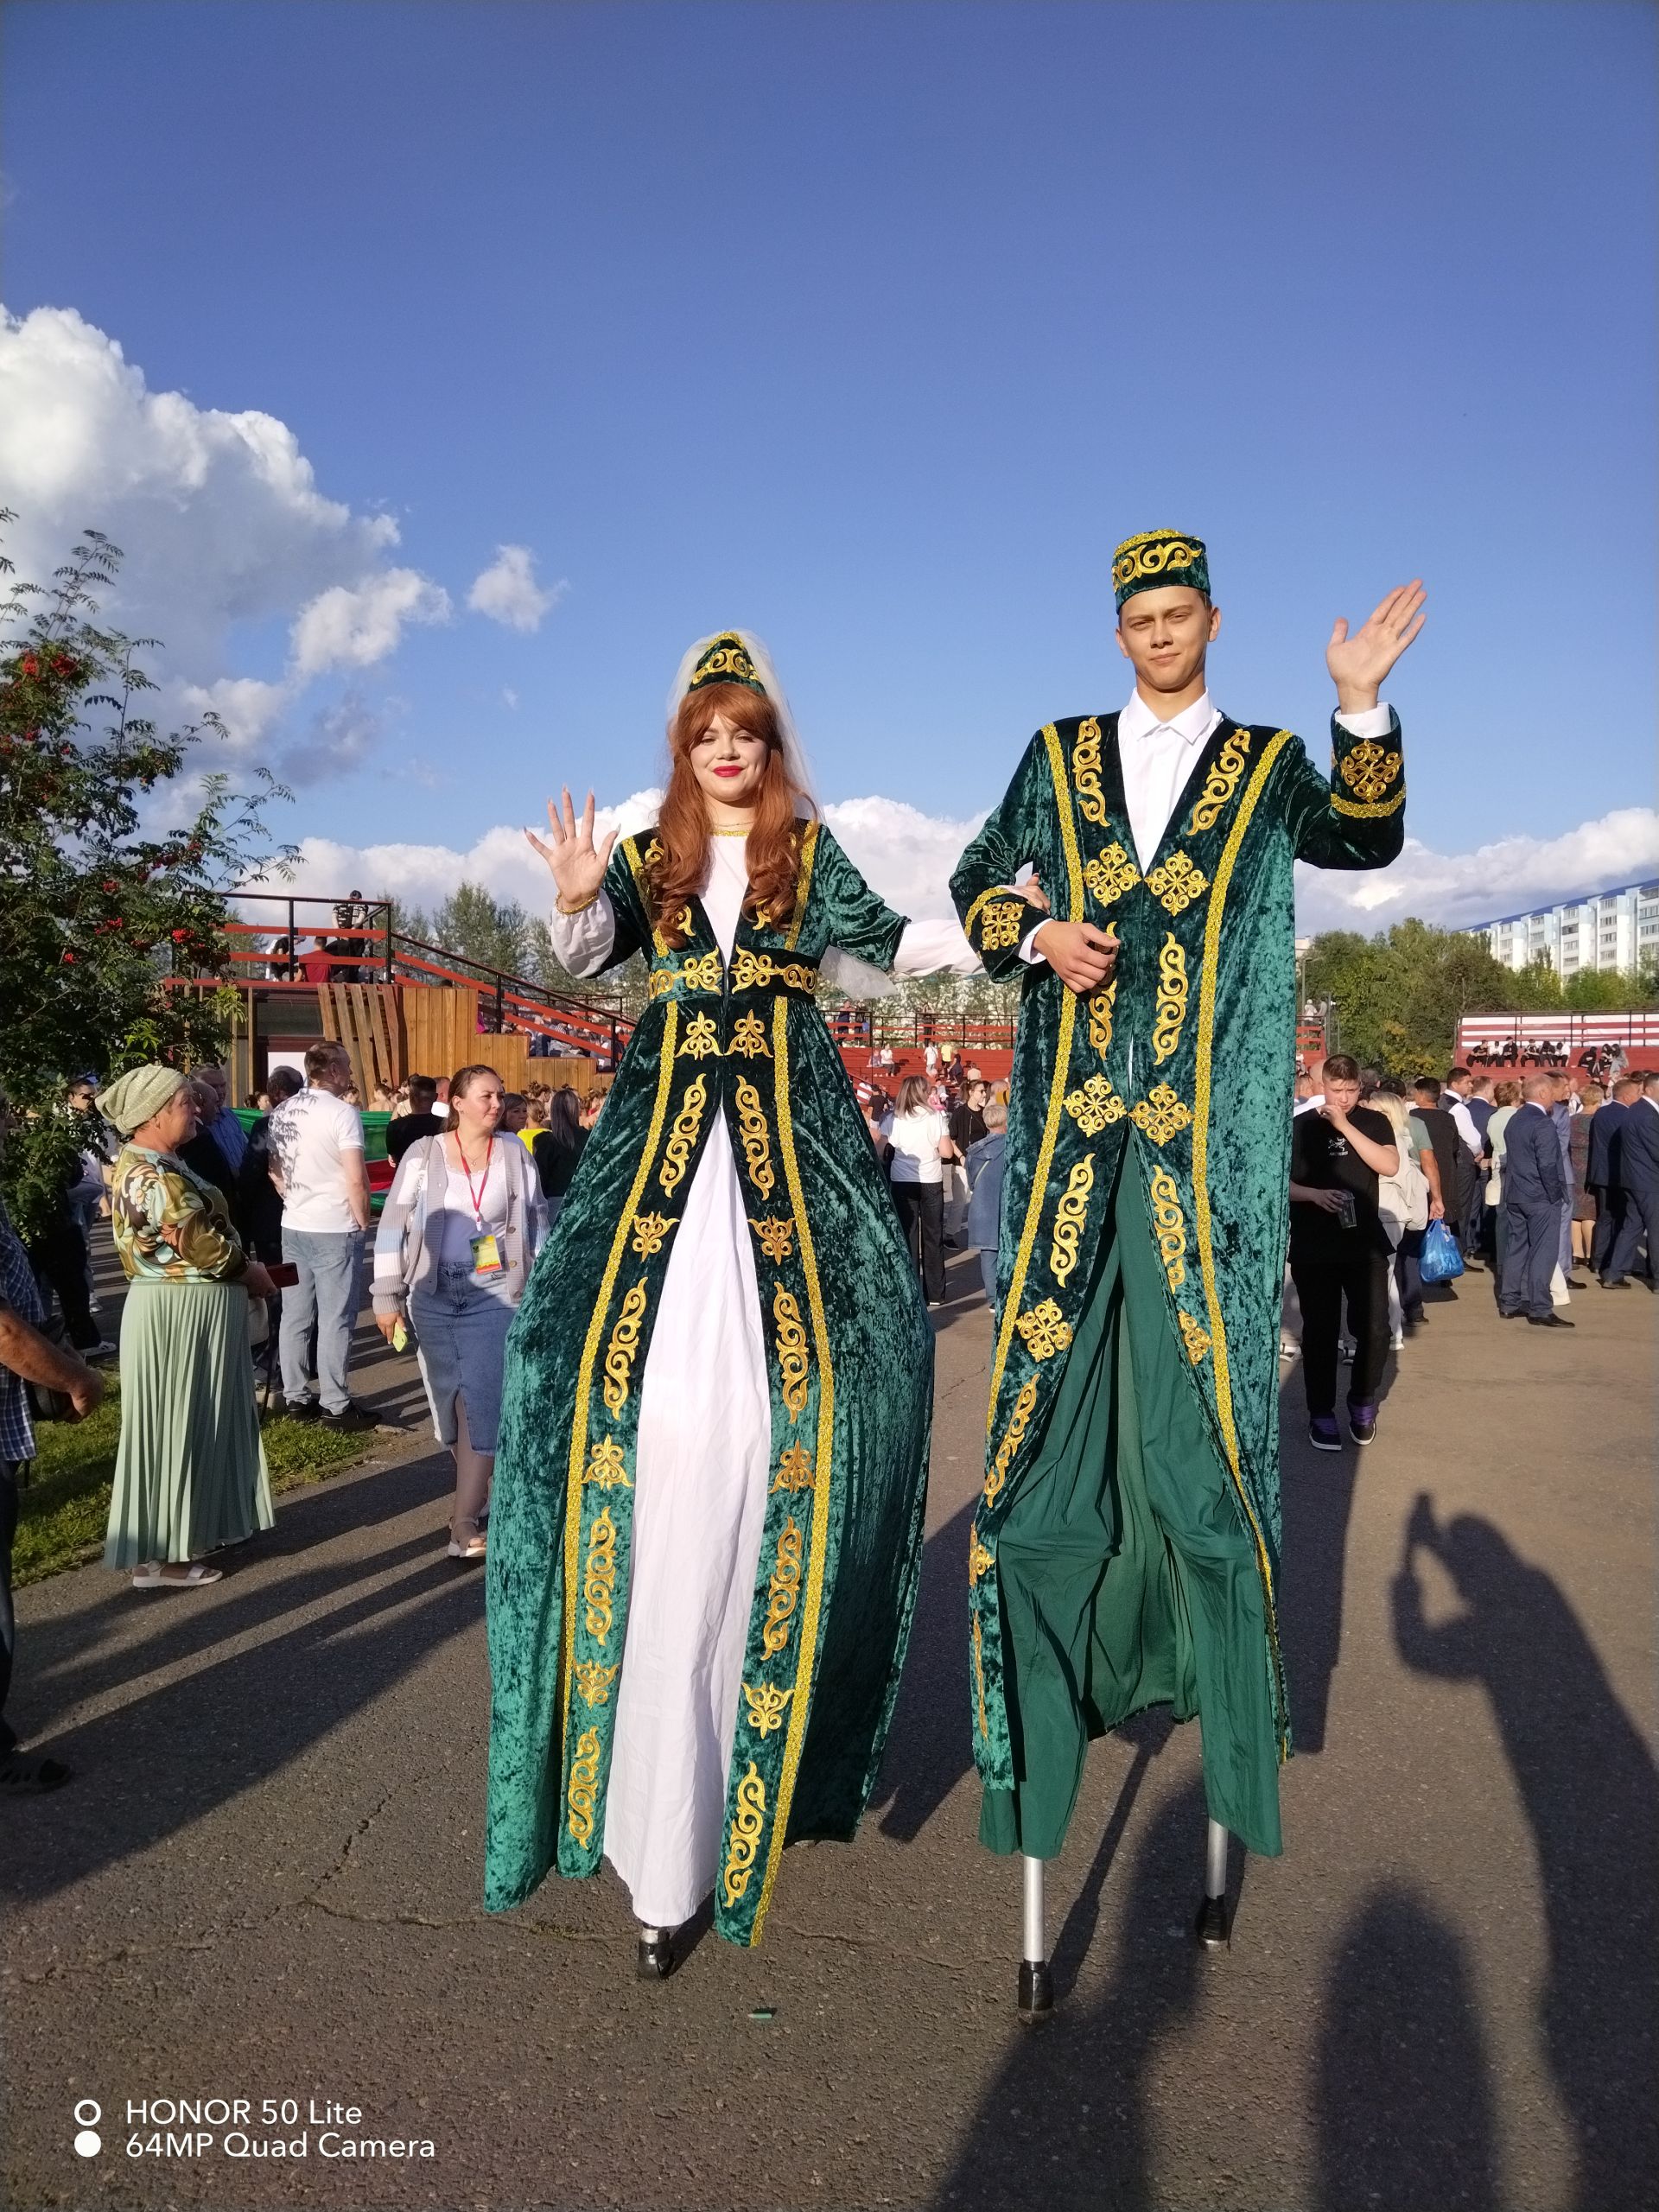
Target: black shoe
[
  {"x": 1036, "y": 1990},
  {"x": 654, "y": 1961},
  {"x": 1577, "y": 1282},
  {"x": 1362, "y": 1423},
  {"x": 300, "y": 1409},
  {"x": 1619, "y": 1282},
  {"x": 352, "y": 1421},
  {"x": 1511, "y": 1312},
  {"x": 1549, "y": 1321},
  {"x": 1214, "y": 1925}
]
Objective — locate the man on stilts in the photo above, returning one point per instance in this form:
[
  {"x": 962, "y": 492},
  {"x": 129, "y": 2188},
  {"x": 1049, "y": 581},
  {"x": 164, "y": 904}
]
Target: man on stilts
[{"x": 1126, "y": 1548}]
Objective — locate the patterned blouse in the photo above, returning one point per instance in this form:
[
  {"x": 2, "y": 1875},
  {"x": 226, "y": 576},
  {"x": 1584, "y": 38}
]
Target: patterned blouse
[{"x": 169, "y": 1226}]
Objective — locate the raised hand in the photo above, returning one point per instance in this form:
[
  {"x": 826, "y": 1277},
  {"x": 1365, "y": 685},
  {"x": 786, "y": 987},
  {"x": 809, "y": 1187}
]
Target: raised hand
[
  {"x": 578, "y": 865},
  {"x": 1358, "y": 664}
]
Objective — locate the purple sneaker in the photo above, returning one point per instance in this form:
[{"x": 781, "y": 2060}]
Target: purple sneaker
[
  {"x": 1362, "y": 1422},
  {"x": 1323, "y": 1433}
]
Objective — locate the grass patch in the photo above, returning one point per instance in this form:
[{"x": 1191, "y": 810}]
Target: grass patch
[{"x": 64, "y": 1508}]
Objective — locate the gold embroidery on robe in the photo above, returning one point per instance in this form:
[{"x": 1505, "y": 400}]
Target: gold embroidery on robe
[
  {"x": 683, "y": 1135},
  {"x": 1176, "y": 882},
  {"x": 794, "y": 1469},
  {"x": 980, "y": 1561},
  {"x": 1019, "y": 1421},
  {"x": 791, "y": 1348},
  {"x": 1369, "y": 813},
  {"x": 649, "y": 1231},
  {"x": 1085, "y": 771},
  {"x": 1171, "y": 1224},
  {"x": 584, "y": 1774},
  {"x": 1069, "y": 1217},
  {"x": 1095, "y": 1104},
  {"x": 776, "y": 1235},
  {"x": 1161, "y": 1114},
  {"x": 623, "y": 1349},
  {"x": 606, "y": 1468},
  {"x": 749, "y": 1038},
  {"x": 1369, "y": 770},
  {"x": 757, "y": 1146},
  {"x": 701, "y": 1038},
  {"x": 1193, "y": 1338},
  {"x": 1100, "y": 1017},
  {"x": 1044, "y": 1330},
  {"x": 595, "y": 1681},
  {"x": 767, "y": 1705},
  {"x": 1221, "y": 783},
  {"x": 750, "y": 968},
  {"x": 598, "y": 1576},
  {"x": 1110, "y": 874},
  {"x": 747, "y": 1826},
  {"x": 783, "y": 1588},
  {"x": 999, "y": 926},
  {"x": 1171, "y": 1000},
  {"x": 702, "y": 974}
]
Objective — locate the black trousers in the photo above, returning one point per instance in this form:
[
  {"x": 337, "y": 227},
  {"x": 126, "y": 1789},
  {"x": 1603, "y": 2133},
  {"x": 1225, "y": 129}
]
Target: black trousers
[
  {"x": 1409, "y": 1272},
  {"x": 1610, "y": 1212},
  {"x": 8, "y": 1618},
  {"x": 59, "y": 1255},
  {"x": 1361, "y": 1277},
  {"x": 921, "y": 1215},
  {"x": 1532, "y": 1246}
]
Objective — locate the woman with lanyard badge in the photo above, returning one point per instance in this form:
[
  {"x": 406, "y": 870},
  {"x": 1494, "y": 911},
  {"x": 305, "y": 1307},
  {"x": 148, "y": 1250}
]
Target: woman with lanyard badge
[{"x": 463, "y": 1222}]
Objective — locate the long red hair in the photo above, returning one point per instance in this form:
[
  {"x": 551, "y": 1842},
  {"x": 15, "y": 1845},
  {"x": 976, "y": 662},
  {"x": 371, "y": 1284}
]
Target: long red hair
[{"x": 682, "y": 825}]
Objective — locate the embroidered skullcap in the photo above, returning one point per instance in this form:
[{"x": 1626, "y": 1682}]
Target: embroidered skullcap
[
  {"x": 725, "y": 659},
  {"x": 1158, "y": 557},
  {"x": 133, "y": 1098}
]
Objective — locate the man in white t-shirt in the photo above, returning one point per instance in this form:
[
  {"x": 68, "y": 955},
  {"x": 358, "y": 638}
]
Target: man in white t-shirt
[{"x": 316, "y": 1163}]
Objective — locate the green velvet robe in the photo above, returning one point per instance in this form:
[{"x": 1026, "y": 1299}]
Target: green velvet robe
[
  {"x": 850, "y": 1360},
  {"x": 1187, "y": 1057}
]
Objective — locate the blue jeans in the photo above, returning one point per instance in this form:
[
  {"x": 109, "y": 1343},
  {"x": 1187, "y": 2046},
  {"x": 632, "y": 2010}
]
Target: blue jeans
[{"x": 330, "y": 1266}]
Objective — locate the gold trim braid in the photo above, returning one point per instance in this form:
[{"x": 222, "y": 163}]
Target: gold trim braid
[
  {"x": 1207, "y": 980},
  {"x": 803, "y": 884}
]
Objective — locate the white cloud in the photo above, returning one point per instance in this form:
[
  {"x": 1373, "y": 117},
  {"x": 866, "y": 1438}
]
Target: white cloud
[
  {"x": 247, "y": 707},
  {"x": 348, "y": 627},
  {"x": 507, "y": 591},
  {"x": 907, "y": 856}
]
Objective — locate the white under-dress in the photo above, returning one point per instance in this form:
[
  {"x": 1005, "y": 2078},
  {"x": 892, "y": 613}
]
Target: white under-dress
[{"x": 701, "y": 1473}]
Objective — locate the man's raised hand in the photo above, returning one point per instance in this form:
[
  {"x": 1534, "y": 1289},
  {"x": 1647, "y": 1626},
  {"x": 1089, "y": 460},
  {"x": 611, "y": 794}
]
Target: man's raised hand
[
  {"x": 1358, "y": 664},
  {"x": 1080, "y": 955},
  {"x": 578, "y": 865}
]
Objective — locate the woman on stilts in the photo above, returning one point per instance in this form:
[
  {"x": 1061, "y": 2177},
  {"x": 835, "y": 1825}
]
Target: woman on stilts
[{"x": 707, "y": 1509}]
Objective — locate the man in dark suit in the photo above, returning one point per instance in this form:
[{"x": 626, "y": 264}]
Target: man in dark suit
[
  {"x": 1533, "y": 1189},
  {"x": 1607, "y": 1142},
  {"x": 1638, "y": 1178}
]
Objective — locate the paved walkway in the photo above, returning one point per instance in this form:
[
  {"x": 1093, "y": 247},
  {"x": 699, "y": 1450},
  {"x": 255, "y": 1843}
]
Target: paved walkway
[{"x": 265, "y": 1881}]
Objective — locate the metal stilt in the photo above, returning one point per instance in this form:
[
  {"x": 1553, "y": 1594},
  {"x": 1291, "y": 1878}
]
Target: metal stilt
[
  {"x": 1214, "y": 1926},
  {"x": 1036, "y": 1983}
]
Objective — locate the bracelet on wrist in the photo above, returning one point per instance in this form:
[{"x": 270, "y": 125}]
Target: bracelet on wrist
[{"x": 580, "y": 907}]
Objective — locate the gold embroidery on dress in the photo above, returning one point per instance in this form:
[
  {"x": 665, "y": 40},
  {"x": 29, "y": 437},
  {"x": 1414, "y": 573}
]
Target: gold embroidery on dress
[
  {"x": 1369, "y": 770},
  {"x": 750, "y": 968},
  {"x": 1171, "y": 1224},
  {"x": 980, "y": 1560},
  {"x": 1176, "y": 882},
  {"x": 620, "y": 1353},
  {"x": 1100, "y": 1017},
  {"x": 702, "y": 1037},
  {"x": 747, "y": 1826},
  {"x": 752, "y": 1126},
  {"x": 598, "y": 1577},
  {"x": 791, "y": 1348},
  {"x": 702, "y": 974},
  {"x": 749, "y": 1038},
  {"x": 595, "y": 1681},
  {"x": 649, "y": 1231},
  {"x": 768, "y": 1706},
  {"x": 1085, "y": 771},
  {"x": 794, "y": 1469},
  {"x": 1369, "y": 813},
  {"x": 1171, "y": 1000},
  {"x": 653, "y": 854},
  {"x": 684, "y": 1134},
  {"x": 776, "y": 1235},
  {"x": 979, "y": 1676},
  {"x": 1193, "y": 1338},
  {"x": 1095, "y": 1104},
  {"x": 584, "y": 1774},
  {"x": 607, "y": 1467},
  {"x": 1221, "y": 783},
  {"x": 1110, "y": 874},
  {"x": 1161, "y": 1114},
  {"x": 1044, "y": 1330},
  {"x": 783, "y": 1588},
  {"x": 1069, "y": 1218},
  {"x": 1019, "y": 1421},
  {"x": 1000, "y": 926}
]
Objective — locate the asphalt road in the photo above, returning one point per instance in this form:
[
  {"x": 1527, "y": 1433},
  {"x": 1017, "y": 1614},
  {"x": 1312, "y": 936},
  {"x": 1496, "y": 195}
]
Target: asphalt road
[{"x": 264, "y": 1881}]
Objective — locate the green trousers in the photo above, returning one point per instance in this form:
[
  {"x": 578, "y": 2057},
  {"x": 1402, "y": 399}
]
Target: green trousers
[{"x": 1126, "y": 1570}]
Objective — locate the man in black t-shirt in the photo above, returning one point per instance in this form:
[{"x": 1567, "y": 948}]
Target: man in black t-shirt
[
  {"x": 1339, "y": 1248},
  {"x": 420, "y": 1121}
]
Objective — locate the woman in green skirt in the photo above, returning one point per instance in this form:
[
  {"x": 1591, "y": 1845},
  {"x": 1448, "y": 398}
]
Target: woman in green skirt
[{"x": 190, "y": 1469}]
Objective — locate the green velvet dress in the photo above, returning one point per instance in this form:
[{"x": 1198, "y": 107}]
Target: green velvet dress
[
  {"x": 849, "y": 1359},
  {"x": 1126, "y": 1547}
]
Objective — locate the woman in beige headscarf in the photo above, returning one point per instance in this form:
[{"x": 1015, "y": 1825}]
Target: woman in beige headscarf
[{"x": 189, "y": 1469}]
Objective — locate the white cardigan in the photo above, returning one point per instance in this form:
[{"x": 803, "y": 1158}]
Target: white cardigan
[{"x": 411, "y": 1224}]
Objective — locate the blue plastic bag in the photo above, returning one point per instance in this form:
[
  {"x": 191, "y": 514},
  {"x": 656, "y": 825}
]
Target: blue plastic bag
[{"x": 1441, "y": 1261}]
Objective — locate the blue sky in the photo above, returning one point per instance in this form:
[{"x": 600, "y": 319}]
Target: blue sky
[{"x": 874, "y": 327}]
